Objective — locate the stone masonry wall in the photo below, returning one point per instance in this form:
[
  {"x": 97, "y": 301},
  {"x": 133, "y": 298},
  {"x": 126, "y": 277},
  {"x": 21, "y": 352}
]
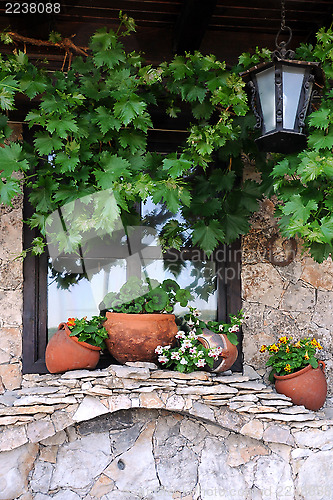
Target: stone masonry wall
[
  {"x": 135, "y": 432},
  {"x": 294, "y": 300}
]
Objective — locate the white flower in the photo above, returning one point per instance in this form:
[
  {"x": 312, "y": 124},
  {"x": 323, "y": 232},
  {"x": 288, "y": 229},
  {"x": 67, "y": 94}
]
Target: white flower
[
  {"x": 159, "y": 349},
  {"x": 163, "y": 359},
  {"x": 175, "y": 355},
  {"x": 186, "y": 344},
  {"x": 196, "y": 313},
  {"x": 180, "y": 334},
  {"x": 167, "y": 347},
  {"x": 221, "y": 328},
  {"x": 192, "y": 335},
  {"x": 200, "y": 363},
  {"x": 234, "y": 328},
  {"x": 193, "y": 350},
  {"x": 183, "y": 361}
]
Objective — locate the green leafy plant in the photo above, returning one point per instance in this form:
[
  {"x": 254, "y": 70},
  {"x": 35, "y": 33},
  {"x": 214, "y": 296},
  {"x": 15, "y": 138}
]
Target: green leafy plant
[
  {"x": 190, "y": 354},
  {"x": 288, "y": 356},
  {"x": 229, "y": 329},
  {"x": 138, "y": 296},
  {"x": 91, "y": 330},
  {"x": 90, "y": 127}
]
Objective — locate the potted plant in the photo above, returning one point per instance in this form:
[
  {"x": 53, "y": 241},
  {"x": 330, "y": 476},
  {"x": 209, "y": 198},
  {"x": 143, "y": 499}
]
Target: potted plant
[
  {"x": 139, "y": 317},
  {"x": 76, "y": 345},
  {"x": 210, "y": 346},
  {"x": 297, "y": 372}
]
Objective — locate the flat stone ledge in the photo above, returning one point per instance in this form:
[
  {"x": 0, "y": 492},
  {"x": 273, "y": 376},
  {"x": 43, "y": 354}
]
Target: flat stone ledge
[{"x": 49, "y": 403}]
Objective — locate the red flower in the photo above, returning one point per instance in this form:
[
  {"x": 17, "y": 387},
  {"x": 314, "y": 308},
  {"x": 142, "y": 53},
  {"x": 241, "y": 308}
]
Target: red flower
[{"x": 71, "y": 322}]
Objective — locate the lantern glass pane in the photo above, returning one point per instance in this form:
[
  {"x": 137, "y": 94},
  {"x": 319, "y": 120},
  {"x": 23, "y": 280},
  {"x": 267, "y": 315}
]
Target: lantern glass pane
[
  {"x": 266, "y": 89},
  {"x": 292, "y": 81}
]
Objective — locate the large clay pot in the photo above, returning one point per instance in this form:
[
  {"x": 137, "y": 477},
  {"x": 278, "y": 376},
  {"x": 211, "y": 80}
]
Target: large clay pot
[
  {"x": 306, "y": 387},
  {"x": 134, "y": 337},
  {"x": 229, "y": 355},
  {"x": 64, "y": 353}
]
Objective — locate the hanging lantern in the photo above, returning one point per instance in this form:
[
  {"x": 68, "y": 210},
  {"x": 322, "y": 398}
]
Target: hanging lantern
[{"x": 281, "y": 93}]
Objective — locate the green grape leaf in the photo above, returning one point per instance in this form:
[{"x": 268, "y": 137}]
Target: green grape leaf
[{"x": 207, "y": 236}]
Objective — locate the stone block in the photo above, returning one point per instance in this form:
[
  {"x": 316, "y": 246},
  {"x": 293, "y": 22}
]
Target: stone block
[
  {"x": 278, "y": 434},
  {"x": 253, "y": 429},
  {"x": 11, "y": 303},
  {"x": 41, "y": 477},
  {"x": 242, "y": 449},
  {"x": 42, "y": 429},
  {"x": 11, "y": 375},
  {"x": 151, "y": 400},
  {"x": 323, "y": 314},
  {"x": 217, "y": 479},
  {"x": 318, "y": 275},
  {"x": 298, "y": 297},
  {"x": 15, "y": 466},
  {"x": 262, "y": 283},
  {"x": 315, "y": 477},
  {"x": 12, "y": 437},
  {"x": 134, "y": 470},
  {"x": 88, "y": 409},
  {"x": 81, "y": 461}
]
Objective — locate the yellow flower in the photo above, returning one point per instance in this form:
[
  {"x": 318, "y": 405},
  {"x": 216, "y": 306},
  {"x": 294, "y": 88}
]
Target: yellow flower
[
  {"x": 298, "y": 344},
  {"x": 283, "y": 340},
  {"x": 263, "y": 348},
  {"x": 273, "y": 348},
  {"x": 306, "y": 356},
  {"x": 316, "y": 344},
  {"x": 287, "y": 368},
  {"x": 287, "y": 349}
]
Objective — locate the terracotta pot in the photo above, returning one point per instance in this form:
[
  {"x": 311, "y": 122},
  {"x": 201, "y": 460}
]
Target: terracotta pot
[
  {"x": 306, "y": 387},
  {"x": 229, "y": 355},
  {"x": 134, "y": 337},
  {"x": 64, "y": 353}
]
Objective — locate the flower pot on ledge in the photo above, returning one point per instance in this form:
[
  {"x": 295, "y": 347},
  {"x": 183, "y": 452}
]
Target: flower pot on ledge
[
  {"x": 134, "y": 337},
  {"x": 64, "y": 353},
  {"x": 229, "y": 354},
  {"x": 306, "y": 387}
]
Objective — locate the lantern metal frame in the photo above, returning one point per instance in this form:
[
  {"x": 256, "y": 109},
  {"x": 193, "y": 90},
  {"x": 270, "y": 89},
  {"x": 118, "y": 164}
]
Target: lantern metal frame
[{"x": 280, "y": 139}]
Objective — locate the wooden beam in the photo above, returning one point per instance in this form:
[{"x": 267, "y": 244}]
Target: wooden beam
[{"x": 192, "y": 24}]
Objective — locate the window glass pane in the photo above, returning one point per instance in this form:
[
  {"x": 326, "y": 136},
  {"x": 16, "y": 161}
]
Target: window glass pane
[
  {"x": 155, "y": 216},
  {"x": 197, "y": 276},
  {"x": 292, "y": 80},
  {"x": 266, "y": 89},
  {"x": 74, "y": 295}
]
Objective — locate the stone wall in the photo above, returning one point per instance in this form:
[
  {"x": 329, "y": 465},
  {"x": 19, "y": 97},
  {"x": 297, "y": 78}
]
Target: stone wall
[
  {"x": 136, "y": 432},
  {"x": 294, "y": 299}
]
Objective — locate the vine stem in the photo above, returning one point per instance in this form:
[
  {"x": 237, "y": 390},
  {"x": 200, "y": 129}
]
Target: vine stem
[{"x": 65, "y": 44}]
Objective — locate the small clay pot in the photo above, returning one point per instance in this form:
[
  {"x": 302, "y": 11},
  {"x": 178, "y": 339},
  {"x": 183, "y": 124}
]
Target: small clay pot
[
  {"x": 306, "y": 387},
  {"x": 134, "y": 337},
  {"x": 229, "y": 355},
  {"x": 64, "y": 353}
]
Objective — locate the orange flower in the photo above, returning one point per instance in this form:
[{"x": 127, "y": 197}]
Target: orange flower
[
  {"x": 287, "y": 368},
  {"x": 71, "y": 322}
]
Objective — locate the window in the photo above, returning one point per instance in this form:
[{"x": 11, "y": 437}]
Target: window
[
  {"x": 62, "y": 286},
  {"x": 214, "y": 282}
]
